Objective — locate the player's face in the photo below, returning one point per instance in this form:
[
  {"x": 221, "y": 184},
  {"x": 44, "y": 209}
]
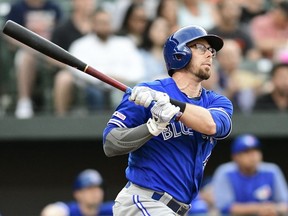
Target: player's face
[
  {"x": 248, "y": 160},
  {"x": 90, "y": 196},
  {"x": 201, "y": 62}
]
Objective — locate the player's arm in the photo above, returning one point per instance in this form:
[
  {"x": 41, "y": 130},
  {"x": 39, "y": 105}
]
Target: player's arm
[
  {"x": 119, "y": 141},
  {"x": 256, "y": 208},
  {"x": 198, "y": 118},
  {"x": 214, "y": 122}
]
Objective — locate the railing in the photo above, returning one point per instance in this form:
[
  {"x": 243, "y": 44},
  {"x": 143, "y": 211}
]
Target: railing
[{"x": 90, "y": 127}]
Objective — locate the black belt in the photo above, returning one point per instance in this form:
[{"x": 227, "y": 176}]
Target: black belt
[{"x": 172, "y": 204}]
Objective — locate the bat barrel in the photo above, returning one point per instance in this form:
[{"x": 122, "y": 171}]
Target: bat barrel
[
  {"x": 54, "y": 51},
  {"x": 41, "y": 44}
]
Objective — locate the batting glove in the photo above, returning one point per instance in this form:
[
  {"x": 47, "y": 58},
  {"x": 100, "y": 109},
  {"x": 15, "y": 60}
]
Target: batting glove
[
  {"x": 144, "y": 96},
  {"x": 162, "y": 113}
]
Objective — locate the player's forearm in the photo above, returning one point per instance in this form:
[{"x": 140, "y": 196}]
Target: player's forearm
[
  {"x": 121, "y": 141},
  {"x": 199, "y": 119},
  {"x": 282, "y": 208},
  {"x": 259, "y": 208},
  {"x": 240, "y": 209}
]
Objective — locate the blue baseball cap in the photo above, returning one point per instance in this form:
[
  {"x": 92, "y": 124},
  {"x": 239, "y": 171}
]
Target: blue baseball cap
[
  {"x": 88, "y": 178},
  {"x": 245, "y": 142}
]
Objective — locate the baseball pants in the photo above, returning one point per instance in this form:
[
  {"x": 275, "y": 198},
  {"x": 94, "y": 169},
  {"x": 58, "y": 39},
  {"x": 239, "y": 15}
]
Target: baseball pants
[{"x": 137, "y": 201}]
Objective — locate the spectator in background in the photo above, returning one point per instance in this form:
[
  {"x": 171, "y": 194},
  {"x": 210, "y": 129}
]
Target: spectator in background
[
  {"x": 119, "y": 9},
  {"x": 213, "y": 83},
  {"x": 270, "y": 31},
  {"x": 88, "y": 192},
  {"x": 277, "y": 98},
  {"x": 238, "y": 85},
  {"x": 247, "y": 185},
  {"x": 151, "y": 49},
  {"x": 115, "y": 56},
  {"x": 251, "y": 9},
  {"x": 196, "y": 12},
  {"x": 281, "y": 55},
  {"x": 134, "y": 23},
  {"x": 39, "y": 16},
  {"x": 75, "y": 26},
  {"x": 167, "y": 9},
  {"x": 228, "y": 27}
]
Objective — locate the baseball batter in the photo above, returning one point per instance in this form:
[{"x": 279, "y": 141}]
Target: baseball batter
[{"x": 169, "y": 128}]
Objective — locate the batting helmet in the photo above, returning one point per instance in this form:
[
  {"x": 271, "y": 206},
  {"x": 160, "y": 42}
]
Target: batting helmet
[
  {"x": 176, "y": 52},
  {"x": 88, "y": 178}
]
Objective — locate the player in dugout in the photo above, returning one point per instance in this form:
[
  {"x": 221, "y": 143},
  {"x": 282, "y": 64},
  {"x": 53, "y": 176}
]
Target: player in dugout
[
  {"x": 169, "y": 128},
  {"x": 247, "y": 185},
  {"x": 88, "y": 192}
]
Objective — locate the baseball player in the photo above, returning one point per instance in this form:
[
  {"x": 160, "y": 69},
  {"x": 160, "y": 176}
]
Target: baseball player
[
  {"x": 169, "y": 128},
  {"x": 88, "y": 193},
  {"x": 265, "y": 190}
]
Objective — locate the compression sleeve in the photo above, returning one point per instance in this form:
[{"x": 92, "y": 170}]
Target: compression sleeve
[{"x": 121, "y": 141}]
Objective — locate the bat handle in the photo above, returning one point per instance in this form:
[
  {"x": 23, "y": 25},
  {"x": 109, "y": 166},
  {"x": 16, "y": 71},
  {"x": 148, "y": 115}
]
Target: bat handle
[
  {"x": 128, "y": 90},
  {"x": 175, "y": 118}
]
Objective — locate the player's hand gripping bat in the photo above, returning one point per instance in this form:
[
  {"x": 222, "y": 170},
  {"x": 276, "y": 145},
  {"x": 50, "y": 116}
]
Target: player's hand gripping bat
[{"x": 54, "y": 51}]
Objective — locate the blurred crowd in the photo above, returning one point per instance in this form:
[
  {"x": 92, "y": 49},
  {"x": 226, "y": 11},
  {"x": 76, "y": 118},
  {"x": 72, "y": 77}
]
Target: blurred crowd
[{"x": 124, "y": 39}]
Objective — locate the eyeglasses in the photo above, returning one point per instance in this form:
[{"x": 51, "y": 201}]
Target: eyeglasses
[{"x": 203, "y": 49}]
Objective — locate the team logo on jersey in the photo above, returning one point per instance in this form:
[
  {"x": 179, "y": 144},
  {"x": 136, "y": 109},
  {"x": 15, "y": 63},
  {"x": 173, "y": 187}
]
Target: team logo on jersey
[
  {"x": 263, "y": 193},
  {"x": 173, "y": 131},
  {"x": 119, "y": 115}
]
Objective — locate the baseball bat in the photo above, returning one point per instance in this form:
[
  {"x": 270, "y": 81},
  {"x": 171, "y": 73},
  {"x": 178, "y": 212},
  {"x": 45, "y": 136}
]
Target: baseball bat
[
  {"x": 41, "y": 44},
  {"x": 54, "y": 51}
]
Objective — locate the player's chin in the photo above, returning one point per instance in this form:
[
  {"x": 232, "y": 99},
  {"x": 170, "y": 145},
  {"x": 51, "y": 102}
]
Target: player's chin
[
  {"x": 204, "y": 74},
  {"x": 207, "y": 67}
]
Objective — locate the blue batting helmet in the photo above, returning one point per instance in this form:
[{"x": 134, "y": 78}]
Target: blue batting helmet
[
  {"x": 88, "y": 178},
  {"x": 176, "y": 52}
]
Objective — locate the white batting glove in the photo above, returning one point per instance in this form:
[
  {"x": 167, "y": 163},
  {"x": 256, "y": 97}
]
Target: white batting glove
[
  {"x": 162, "y": 113},
  {"x": 144, "y": 96}
]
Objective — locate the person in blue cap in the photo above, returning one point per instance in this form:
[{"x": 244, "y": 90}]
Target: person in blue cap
[
  {"x": 88, "y": 192},
  {"x": 247, "y": 185}
]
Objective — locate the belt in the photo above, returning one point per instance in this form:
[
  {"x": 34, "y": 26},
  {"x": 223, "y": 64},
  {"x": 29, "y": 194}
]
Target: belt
[{"x": 177, "y": 207}]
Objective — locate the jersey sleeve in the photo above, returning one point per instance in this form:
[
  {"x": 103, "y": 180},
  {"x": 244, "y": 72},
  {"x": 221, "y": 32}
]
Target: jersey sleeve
[
  {"x": 221, "y": 110},
  {"x": 222, "y": 190},
  {"x": 280, "y": 184},
  {"x": 127, "y": 115}
]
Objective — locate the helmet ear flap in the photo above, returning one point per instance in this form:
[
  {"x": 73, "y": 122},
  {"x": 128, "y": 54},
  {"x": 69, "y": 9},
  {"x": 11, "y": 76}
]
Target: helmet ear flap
[
  {"x": 183, "y": 55},
  {"x": 180, "y": 58}
]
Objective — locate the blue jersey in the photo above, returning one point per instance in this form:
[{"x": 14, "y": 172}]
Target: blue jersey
[
  {"x": 266, "y": 185},
  {"x": 105, "y": 209},
  {"x": 174, "y": 161}
]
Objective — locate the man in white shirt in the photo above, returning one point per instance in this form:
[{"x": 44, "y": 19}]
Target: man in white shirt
[{"x": 113, "y": 55}]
